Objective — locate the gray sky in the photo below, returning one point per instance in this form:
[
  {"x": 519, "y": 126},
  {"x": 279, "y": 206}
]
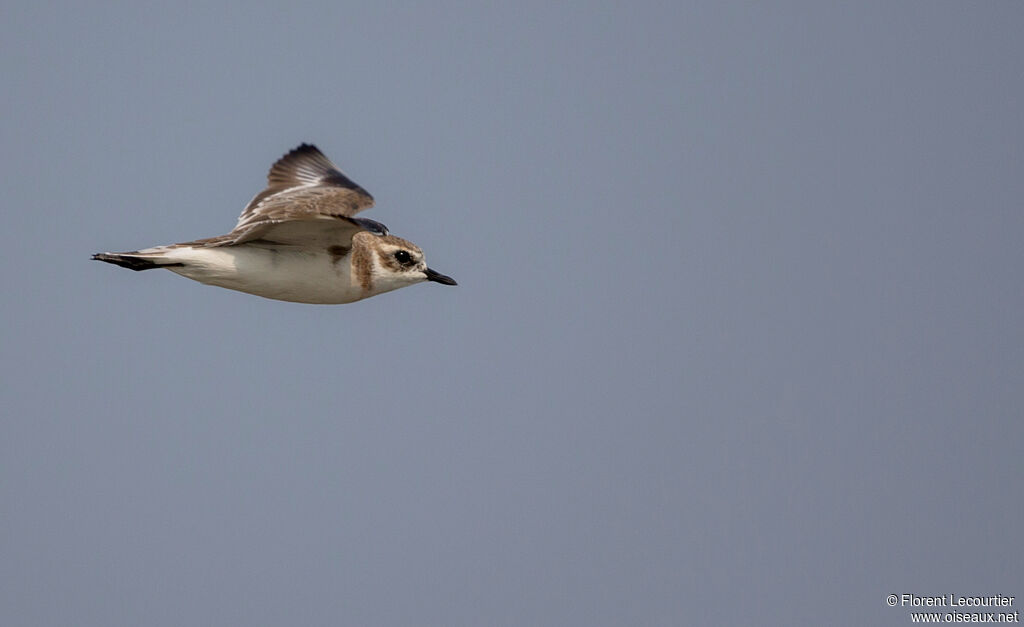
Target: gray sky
[{"x": 737, "y": 337}]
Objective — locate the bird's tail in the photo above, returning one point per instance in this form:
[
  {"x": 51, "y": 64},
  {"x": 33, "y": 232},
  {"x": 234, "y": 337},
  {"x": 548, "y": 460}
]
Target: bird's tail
[{"x": 135, "y": 260}]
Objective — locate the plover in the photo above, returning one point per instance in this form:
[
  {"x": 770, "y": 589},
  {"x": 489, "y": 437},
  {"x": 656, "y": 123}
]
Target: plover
[{"x": 298, "y": 240}]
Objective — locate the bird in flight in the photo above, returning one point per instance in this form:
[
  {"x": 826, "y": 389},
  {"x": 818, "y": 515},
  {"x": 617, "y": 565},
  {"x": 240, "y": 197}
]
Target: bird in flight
[{"x": 298, "y": 240}]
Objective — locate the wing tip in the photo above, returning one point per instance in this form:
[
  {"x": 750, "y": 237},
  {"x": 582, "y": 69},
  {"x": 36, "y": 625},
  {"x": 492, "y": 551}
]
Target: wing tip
[
  {"x": 372, "y": 226},
  {"x": 303, "y": 148},
  {"x": 307, "y": 165},
  {"x": 286, "y": 169}
]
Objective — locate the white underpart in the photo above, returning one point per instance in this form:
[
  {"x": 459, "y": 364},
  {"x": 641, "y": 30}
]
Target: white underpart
[{"x": 290, "y": 274}]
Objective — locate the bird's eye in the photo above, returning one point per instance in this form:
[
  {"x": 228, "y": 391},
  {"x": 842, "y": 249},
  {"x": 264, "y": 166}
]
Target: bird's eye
[{"x": 403, "y": 257}]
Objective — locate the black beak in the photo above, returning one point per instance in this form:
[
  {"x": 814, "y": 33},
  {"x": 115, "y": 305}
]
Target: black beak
[{"x": 437, "y": 277}]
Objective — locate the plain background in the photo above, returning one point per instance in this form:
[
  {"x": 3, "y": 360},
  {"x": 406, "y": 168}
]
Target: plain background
[{"x": 737, "y": 337}]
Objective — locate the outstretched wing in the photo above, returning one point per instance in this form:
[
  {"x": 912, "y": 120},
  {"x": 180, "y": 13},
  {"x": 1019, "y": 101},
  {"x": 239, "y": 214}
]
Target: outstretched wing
[{"x": 307, "y": 202}]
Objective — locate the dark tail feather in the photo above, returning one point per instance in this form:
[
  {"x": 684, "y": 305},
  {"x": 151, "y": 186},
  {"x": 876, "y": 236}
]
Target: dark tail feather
[{"x": 132, "y": 262}]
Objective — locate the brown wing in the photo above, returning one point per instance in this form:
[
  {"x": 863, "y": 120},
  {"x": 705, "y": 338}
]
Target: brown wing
[{"x": 308, "y": 201}]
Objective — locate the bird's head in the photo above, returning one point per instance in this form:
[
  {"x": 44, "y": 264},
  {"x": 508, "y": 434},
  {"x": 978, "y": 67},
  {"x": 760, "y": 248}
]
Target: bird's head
[{"x": 390, "y": 262}]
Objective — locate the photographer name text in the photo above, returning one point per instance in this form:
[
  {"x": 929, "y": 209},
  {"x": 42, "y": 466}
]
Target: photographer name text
[{"x": 953, "y": 600}]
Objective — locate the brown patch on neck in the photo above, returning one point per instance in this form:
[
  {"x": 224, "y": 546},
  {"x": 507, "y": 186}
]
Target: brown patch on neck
[
  {"x": 362, "y": 264},
  {"x": 337, "y": 253}
]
